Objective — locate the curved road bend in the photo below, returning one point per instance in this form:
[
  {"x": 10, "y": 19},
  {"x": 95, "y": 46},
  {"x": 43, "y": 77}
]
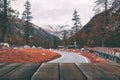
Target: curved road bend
[{"x": 69, "y": 57}]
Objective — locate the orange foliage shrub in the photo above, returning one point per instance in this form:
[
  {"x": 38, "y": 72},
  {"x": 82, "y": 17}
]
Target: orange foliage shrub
[{"x": 26, "y": 55}]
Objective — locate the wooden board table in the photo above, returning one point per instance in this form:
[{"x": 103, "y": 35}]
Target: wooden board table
[{"x": 60, "y": 71}]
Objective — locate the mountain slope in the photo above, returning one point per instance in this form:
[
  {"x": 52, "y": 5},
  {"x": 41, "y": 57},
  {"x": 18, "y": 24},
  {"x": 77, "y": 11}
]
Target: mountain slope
[
  {"x": 92, "y": 33},
  {"x": 38, "y": 36}
]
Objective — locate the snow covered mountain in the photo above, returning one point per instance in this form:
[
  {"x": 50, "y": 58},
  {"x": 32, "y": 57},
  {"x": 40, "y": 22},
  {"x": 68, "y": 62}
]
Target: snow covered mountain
[{"x": 59, "y": 30}]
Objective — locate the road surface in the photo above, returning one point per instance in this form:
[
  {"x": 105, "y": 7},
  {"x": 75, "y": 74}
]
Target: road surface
[{"x": 69, "y": 57}]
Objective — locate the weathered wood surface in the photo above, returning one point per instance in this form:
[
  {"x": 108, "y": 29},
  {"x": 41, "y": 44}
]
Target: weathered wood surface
[
  {"x": 71, "y": 72},
  {"x": 47, "y": 72},
  {"x": 22, "y": 72},
  {"x": 59, "y": 71}
]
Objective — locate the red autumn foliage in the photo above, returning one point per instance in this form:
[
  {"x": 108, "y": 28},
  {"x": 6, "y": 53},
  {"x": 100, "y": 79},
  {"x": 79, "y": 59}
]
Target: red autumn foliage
[{"x": 26, "y": 55}]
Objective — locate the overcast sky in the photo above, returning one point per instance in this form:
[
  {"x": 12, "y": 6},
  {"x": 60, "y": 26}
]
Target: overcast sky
[{"x": 57, "y": 12}]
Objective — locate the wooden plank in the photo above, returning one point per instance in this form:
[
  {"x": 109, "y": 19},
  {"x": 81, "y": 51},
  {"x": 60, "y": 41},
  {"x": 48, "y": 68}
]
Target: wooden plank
[
  {"x": 3, "y": 64},
  {"x": 93, "y": 72},
  {"x": 47, "y": 72},
  {"x": 24, "y": 72},
  {"x": 8, "y": 68},
  {"x": 71, "y": 72},
  {"x": 111, "y": 70},
  {"x": 55, "y": 71}
]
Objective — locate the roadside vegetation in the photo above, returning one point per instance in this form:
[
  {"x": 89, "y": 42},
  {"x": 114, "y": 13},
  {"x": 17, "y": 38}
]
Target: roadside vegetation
[{"x": 26, "y": 55}]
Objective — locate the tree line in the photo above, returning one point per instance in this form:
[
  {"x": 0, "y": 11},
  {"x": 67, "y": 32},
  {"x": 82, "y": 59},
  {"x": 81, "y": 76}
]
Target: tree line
[{"x": 8, "y": 15}]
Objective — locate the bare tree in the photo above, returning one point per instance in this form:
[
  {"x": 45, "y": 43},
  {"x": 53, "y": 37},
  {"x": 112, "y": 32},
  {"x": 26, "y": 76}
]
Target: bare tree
[
  {"x": 100, "y": 5},
  {"x": 116, "y": 12}
]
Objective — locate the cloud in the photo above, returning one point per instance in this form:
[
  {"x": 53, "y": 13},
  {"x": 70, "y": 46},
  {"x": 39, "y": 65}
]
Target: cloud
[{"x": 57, "y": 11}]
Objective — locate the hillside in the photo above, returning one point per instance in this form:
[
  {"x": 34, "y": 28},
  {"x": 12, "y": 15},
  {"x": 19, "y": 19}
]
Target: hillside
[
  {"x": 38, "y": 36},
  {"x": 91, "y": 34}
]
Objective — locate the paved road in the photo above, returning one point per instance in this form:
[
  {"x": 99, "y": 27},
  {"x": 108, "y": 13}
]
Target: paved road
[{"x": 69, "y": 57}]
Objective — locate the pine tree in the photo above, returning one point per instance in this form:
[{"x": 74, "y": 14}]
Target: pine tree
[
  {"x": 64, "y": 37},
  {"x": 77, "y": 25},
  {"x": 4, "y": 20},
  {"x": 27, "y": 17},
  {"x": 1, "y": 12},
  {"x": 6, "y": 15}
]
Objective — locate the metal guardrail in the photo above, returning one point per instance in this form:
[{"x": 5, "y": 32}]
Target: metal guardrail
[
  {"x": 107, "y": 56},
  {"x": 112, "y": 54}
]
